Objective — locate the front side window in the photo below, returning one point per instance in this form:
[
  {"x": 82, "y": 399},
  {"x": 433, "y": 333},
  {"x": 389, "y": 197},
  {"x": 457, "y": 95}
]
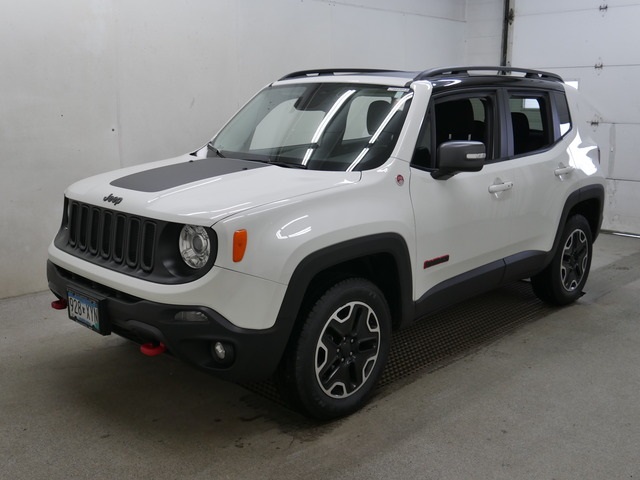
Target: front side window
[
  {"x": 466, "y": 118},
  {"x": 320, "y": 126}
]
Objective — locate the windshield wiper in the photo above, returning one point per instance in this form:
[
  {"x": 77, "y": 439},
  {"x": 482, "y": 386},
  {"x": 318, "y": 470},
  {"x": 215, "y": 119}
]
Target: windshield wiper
[
  {"x": 250, "y": 158},
  {"x": 280, "y": 163},
  {"x": 213, "y": 149}
]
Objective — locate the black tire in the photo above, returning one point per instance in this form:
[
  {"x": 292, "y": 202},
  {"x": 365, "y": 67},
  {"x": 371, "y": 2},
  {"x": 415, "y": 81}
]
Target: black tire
[
  {"x": 562, "y": 281},
  {"x": 340, "y": 351}
]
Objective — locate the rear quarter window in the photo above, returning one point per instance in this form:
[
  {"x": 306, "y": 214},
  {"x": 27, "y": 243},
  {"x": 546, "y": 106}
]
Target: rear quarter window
[{"x": 564, "y": 115}]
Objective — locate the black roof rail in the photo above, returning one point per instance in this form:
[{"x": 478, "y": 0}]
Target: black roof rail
[
  {"x": 334, "y": 71},
  {"x": 502, "y": 70}
]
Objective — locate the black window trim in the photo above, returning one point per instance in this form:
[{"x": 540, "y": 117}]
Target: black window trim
[{"x": 502, "y": 130}]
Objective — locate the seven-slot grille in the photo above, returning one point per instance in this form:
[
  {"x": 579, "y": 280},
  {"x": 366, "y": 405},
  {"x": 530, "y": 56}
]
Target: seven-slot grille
[{"x": 114, "y": 237}]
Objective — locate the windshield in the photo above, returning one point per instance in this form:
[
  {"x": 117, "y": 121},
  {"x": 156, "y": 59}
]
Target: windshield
[{"x": 320, "y": 126}]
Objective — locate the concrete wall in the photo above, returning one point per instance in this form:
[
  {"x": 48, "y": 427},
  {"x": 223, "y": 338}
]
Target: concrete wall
[{"x": 91, "y": 85}]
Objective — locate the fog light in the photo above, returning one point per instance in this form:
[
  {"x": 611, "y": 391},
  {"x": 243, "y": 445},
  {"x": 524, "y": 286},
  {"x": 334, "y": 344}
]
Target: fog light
[
  {"x": 191, "y": 316},
  {"x": 223, "y": 353},
  {"x": 219, "y": 350}
]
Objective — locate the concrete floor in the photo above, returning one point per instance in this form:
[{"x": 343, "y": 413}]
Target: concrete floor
[{"x": 558, "y": 398}]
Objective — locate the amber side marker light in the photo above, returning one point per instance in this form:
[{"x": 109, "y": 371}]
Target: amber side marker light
[{"x": 239, "y": 244}]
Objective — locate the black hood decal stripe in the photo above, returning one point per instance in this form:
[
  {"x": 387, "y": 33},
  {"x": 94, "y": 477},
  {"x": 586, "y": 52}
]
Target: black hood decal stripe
[{"x": 171, "y": 176}]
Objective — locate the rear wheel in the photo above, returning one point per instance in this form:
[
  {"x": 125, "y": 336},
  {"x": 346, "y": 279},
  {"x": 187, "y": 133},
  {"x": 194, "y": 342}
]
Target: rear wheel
[
  {"x": 340, "y": 352},
  {"x": 564, "y": 278}
]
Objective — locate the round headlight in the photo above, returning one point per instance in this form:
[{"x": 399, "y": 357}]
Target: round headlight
[{"x": 195, "y": 246}]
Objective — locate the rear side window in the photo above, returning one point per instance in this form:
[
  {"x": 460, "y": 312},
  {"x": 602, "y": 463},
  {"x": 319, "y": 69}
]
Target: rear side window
[{"x": 531, "y": 125}]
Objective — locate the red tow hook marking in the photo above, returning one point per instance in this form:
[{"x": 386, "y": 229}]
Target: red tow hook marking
[
  {"x": 152, "y": 349},
  {"x": 60, "y": 304}
]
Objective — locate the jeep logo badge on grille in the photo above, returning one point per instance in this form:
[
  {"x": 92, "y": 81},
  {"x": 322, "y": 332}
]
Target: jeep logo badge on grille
[{"x": 113, "y": 199}]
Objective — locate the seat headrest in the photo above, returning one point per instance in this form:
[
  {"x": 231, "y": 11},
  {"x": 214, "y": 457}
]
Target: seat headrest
[
  {"x": 520, "y": 122},
  {"x": 454, "y": 120}
]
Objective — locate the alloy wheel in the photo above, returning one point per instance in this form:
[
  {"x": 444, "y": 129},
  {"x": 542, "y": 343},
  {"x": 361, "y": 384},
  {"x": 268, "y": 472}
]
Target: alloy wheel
[
  {"x": 575, "y": 258},
  {"x": 347, "y": 349}
]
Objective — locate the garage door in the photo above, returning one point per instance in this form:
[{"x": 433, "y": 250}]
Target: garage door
[{"x": 595, "y": 44}]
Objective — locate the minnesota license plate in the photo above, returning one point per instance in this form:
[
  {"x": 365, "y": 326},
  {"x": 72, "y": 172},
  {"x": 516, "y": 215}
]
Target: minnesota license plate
[{"x": 86, "y": 311}]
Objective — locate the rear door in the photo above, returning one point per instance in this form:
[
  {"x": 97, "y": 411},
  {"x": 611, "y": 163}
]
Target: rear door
[{"x": 541, "y": 166}]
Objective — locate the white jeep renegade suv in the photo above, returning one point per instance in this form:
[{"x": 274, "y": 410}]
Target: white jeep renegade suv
[{"x": 334, "y": 208}]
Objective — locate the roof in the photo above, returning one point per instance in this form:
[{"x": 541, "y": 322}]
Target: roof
[{"x": 400, "y": 77}]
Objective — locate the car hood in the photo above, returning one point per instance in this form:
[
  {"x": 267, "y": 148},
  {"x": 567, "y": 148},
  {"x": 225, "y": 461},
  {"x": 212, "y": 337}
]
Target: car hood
[{"x": 201, "y": 190}]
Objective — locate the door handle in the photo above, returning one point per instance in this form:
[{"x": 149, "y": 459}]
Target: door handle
[
  {"x": 500, "y": 187},
  {"x": 562, "y": 170}
]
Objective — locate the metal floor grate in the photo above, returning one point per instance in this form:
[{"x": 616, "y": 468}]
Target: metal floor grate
[
  {"x": 450, "y": 334},
  {"x": 461, "y": 329}
]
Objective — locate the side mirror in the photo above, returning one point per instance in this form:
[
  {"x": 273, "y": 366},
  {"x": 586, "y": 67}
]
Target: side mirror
[{"x": 459, "y": 156}]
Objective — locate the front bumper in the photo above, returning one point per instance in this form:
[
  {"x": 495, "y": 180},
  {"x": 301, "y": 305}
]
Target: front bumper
[{"x": 255, "y": 353}]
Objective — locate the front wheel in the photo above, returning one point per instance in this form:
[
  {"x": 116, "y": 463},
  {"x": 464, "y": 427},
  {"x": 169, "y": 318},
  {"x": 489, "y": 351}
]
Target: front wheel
[
  {"x": 340, "y": 352},
  {"x": 562, "y": 281}
]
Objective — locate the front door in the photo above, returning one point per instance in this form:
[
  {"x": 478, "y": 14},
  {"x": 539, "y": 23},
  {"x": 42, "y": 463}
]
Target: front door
[{"x": 463, "y": 224}]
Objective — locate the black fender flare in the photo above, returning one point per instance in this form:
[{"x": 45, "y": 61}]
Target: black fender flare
[
  {"x": 384, "y": 243},
  {"x": 590, "y": 192}
]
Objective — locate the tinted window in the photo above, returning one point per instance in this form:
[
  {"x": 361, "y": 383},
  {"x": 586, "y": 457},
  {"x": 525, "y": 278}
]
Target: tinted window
[
  {"x": 564, "y": 117},
  {"x": 532, "y": 129},
  {"x": 459, "y": 118}
]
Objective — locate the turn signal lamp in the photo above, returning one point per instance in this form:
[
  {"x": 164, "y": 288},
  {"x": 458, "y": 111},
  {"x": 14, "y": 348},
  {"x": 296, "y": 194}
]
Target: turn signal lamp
[{"x": 239, "y": 245}]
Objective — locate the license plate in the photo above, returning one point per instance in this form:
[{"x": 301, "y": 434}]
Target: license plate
[{"x": 86, "y": 311}]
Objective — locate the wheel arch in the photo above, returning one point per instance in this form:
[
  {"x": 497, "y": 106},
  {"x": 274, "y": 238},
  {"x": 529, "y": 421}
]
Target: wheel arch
[
  {"x": 591, "y": 209},
  {"x": 382, "y": 258},
  {"x": 587, "y": 201}
]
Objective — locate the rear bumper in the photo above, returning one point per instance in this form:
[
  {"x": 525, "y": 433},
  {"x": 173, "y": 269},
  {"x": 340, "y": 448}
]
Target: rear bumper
[{"x": 255, "y": 354}]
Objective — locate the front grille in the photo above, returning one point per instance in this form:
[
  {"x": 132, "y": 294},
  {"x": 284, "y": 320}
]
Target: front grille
[
  {"x": 137, "y": 246},
  {"x": 115, "y": 237}
]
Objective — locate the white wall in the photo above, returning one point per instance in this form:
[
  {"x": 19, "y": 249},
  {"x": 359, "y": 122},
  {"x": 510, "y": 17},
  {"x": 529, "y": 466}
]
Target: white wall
[
  {"x": 58, "y": 122},
  {"x": 484, "y": 31},
  {"x": 571, "y": 37},
  {"x": 91, "y": 85},
  {"x": 184, "y": 69}
]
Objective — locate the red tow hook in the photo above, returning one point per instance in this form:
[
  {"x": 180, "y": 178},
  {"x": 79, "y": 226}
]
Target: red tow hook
[
  {"x": 59, "y": 304},
  {"x": 152, "y": 349}
]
